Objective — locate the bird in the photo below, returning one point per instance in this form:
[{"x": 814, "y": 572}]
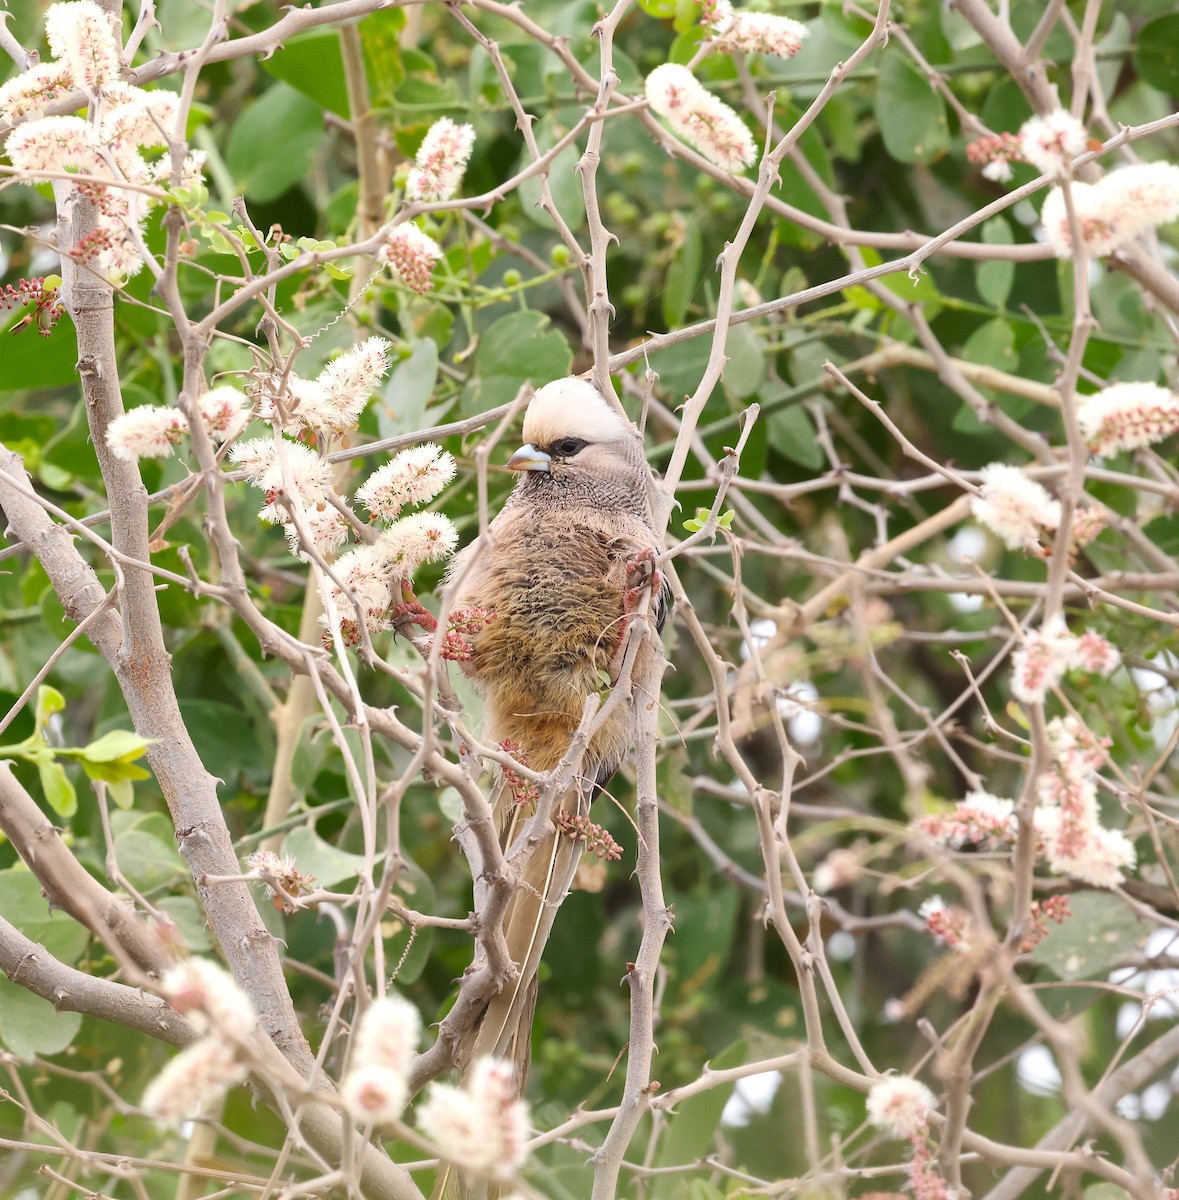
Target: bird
[{"x": 563, "y": 567}]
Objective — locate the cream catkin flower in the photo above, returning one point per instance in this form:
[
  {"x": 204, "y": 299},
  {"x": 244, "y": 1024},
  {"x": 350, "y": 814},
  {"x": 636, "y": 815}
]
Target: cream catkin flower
[
  {"x": 364, "y": 573},
  {"x": 210, "y": 998},
  {"x": 1051, "y": 141},
  {"x": 142, "y": 119},
  {"x": 29, "y": 94},
  {"x": 980, "y": 818},
  {"x": 900, "y": 1106},
  {"x": 699, "y": 117},
  {"x": 388, "y": 1034},
  {"x": 441, "y": 161},
  {"x": 327, "y": 528},
  {"x": 413, "y": 476},
  {"x": 481, "y": 1127},
  {"x": 1114, "y": 211},
  {"x": 1040, "y": 663},
  {"x": 1013, "y": 507},
  {"x": 150, "y": 431},
  {"x": 83, "y": 36},
  {"x": 411, "y": 541},
  {"x": 1127, "y": 416},
  {"x": 350, "y": 380},
  {"x": 202, "y": 1072},
  {"x": 224, "y": 412},
  {"x": 412, "y": 255},
  {"x": 374, "y": 1095},
  {"x": 753, "y": 32},
  {"x": 53, "y": 144},
  {"x": 1093, "y": 854},
  {"x": 307, "y": 473}
]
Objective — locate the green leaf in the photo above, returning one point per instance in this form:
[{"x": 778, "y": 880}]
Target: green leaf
[
  {"x": 1157, "y": 55},
  {"x": 409, "y": 389},
  {"x": 792, "y": 434},
  {"x": 31, "y": 361},
  {"x": 995, "y": 278},
  {"x": 683, "y": 275},
  {"x": 912, "y": 115},
  {"x": 30, "y": 1026},
  {"x": 114, "y": 772},
  {"x": 118, "y": 745},
  {"x": 55, "y": 783},
  {"x": 519, "y": 347},
  {"x": 745, "y": 371},
  {"x": 273, "y": 142},
  {"x": 145, "y": 849},
  {"x": 23, "y": 905},
  {"x": 692, "y": 1130},
  {"x": 49, "y": 702},
  {"x": 313, "y": 64},
  {"x": 314, "y": 856},
  {"x": 190, "y": 920},
  {"x": 992, "y": 345},
  {"x": 1101, "y": 932}
]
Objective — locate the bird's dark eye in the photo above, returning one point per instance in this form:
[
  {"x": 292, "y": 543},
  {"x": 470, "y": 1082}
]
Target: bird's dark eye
[{"x": 567, "y": 447}]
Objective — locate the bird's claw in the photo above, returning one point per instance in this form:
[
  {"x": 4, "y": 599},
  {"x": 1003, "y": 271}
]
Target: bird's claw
[{"x": 641, "y": 573}]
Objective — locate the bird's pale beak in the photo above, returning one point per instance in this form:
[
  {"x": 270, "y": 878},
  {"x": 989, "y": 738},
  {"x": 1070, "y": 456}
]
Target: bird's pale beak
[{"x": 529, "y": 458}]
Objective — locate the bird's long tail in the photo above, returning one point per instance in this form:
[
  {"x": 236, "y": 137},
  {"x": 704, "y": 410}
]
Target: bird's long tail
[{"x": 505, "y": 1029}]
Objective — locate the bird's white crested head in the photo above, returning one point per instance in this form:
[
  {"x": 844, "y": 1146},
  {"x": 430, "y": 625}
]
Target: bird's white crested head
[{"x": 571, "y": 408}]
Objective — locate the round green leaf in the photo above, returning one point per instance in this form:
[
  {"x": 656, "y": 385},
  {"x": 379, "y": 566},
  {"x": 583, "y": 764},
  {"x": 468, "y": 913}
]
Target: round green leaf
[
  {"x": 30, "y": 1026},
  {"x": 1157, "y": 55},
  {"x": 273, "y": 142},
  {"x": 912, "y": 115}
]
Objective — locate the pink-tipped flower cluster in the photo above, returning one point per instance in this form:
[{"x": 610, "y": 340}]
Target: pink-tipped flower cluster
[
  {"x": 154, "y": 431},
  {"x": 1013, "y": 507},
  {"x": 994, "y": 153},
  {"x": 413, "y": 476},
  {"x": 1127, "y": 416},
  {"x": 1050, "y": 142},
  {"x": 700, "y": 118},
  {"x": 751, "y": 32},
  {"x": 1068, "y": 823},
  {"x": 979, "y": 820},
  {"x": 210, "y": 999},
  {"x": 88, "y": 56},
  {"x": 374, "y": 575},
  {"x": 1069, "y": 832},
  {"x": 374, "y": 1090},
  {"x": 1115, "y": 210},
  {"x": 482, "y": 1126},
  {"x": 332, "y": 402},
  {"x": 1048, "y": 652},
  {"x": 410, "y": 254},
  {"x": 899, "y": 1106},
  {"x": 441, "y": 161}
]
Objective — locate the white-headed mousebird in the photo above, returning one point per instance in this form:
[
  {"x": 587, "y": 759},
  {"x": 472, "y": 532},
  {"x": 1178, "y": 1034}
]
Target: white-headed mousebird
[{"x": 564, "y": 567}]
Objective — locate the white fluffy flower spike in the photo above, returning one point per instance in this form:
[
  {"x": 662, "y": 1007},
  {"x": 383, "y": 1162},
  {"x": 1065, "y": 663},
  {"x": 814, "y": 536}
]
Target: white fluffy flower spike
[
  {"x": 700, "y": 118},
  {"x": 752, "y": 32},
  {"x": 1051, "y": 141},
  {"x": 1013, "y": 507},
  {"x": 414, "y": 476},
  {"x": 899, "y": 1106},
  {"x": 441, "y": 161},
  {"x": 1127, "y": 416},
  {"x": 482, "y": 1126},
  {"x": 83, "y": 37},
  {"x": 150, "y": 431}
]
